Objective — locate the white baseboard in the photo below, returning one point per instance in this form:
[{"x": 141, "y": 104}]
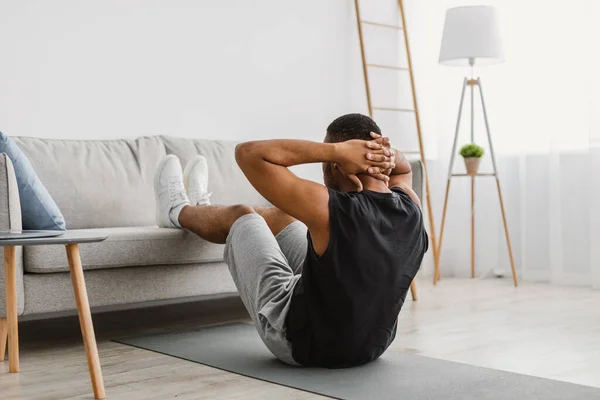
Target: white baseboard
[
  {"x": 536, "y": 275},
  {"x": 556, "y": 279},
  {"x": 573, "y": 279}
]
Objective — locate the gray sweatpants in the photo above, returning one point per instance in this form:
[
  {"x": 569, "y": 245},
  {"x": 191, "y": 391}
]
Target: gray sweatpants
[{"x": 265, "y": 270}]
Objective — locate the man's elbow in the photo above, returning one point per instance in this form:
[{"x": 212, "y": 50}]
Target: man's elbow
[
  {"x": 404, "y": 167},
  {"x": 245, "y": 153}
]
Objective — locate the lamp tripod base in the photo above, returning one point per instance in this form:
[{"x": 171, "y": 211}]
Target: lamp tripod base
[{"x": 474, "y": 83}]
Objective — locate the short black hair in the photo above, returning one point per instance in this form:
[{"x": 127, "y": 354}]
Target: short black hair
[{"x": 351, "y": 126}]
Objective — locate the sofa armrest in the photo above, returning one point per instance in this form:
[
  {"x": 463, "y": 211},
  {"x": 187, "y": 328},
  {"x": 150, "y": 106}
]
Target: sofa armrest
[
  {"x": 10, "y": 218},
  {"x": 418, "y": 184}
]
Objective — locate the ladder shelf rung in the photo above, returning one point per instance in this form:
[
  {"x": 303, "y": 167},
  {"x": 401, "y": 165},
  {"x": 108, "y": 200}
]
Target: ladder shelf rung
[
  {"x": 394, "y": 109},
  {"x": 382, "y": 25},
  {"x": 387, "y": 67}
]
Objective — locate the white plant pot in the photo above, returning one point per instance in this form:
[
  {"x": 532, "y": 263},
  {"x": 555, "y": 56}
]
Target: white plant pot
[{"x": 472, "y": 165}]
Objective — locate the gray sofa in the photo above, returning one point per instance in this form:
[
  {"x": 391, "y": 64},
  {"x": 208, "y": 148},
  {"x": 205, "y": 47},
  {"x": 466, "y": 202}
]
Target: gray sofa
[{"x": 107, "y": 186}]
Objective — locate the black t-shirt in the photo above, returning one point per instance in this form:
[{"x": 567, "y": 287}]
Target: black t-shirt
[{"x": 345, "y": 307}]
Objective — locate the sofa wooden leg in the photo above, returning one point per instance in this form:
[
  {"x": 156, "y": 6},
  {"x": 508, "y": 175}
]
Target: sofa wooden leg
[
  {"x": 3, "y": 337},
  {"x": 413, "y": 290},
  {"x": 85, "y": 320},
  {"x": 10, "y": 282}
]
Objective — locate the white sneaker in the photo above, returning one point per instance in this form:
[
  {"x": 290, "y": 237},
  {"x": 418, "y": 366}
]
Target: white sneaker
[
  {"x": 169, "y": 192},
  {"x": 195, "y": 178}
]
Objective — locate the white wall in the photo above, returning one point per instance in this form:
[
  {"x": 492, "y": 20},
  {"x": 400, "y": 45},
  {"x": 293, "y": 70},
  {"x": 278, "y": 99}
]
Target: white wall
[
  {"x": 241, "y": 69},
  {"x": 217, "y": 69}
]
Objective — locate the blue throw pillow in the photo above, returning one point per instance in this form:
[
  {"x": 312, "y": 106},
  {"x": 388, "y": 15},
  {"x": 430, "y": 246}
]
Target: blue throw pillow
[{"x": 38, "y": 209}]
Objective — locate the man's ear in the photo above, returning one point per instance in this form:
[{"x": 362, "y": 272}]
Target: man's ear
[{"x": 336, "y": 168}]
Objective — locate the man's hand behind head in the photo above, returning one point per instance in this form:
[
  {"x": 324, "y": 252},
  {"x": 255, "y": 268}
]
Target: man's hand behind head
[
  {"x": 401, "y": 164},
  {"x": 359, "y": 156},
  {"x": 385, "y": 143}
]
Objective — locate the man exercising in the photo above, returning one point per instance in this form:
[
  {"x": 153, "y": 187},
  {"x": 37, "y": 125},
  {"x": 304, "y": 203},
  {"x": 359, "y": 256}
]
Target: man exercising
[{"x": 329, "y": 297}]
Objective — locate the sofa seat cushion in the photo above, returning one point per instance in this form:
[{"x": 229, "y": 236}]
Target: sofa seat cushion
[{"x": 126, "y": 247}]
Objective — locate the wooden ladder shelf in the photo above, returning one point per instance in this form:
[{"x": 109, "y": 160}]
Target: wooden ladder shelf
[{"x": 415, "y": 110}]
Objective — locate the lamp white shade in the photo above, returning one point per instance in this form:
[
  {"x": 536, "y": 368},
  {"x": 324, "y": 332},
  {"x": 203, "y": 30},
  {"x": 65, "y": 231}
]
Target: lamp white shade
[{"x": 471, "y": 35}]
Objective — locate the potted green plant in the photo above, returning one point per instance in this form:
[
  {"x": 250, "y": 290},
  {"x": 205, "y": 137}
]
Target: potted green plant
[{"x": 472, "y": 154}]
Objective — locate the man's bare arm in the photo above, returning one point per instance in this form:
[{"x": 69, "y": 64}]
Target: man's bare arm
[
  {"x": 401, "y": 175},
  {"x": 265, "y": 164}
]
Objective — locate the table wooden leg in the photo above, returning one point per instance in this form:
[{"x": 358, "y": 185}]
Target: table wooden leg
[
  {"x": 3, "y": 337},
  {"x": 10, "y": 282},
  {"x": 85, "y": 320},
  {"x": 413, "y": 290}
]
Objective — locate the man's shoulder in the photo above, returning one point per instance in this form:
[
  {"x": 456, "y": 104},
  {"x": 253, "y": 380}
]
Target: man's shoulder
[{"x": 407, "y": 193}]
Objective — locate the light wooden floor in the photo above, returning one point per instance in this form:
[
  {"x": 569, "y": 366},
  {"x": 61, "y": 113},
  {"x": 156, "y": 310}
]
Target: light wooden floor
[{"x": 538, "y": 329}]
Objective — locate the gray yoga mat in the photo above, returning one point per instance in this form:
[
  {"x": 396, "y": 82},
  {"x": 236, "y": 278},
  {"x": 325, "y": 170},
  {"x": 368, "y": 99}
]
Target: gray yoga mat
[{"x": 396, "y": 375}]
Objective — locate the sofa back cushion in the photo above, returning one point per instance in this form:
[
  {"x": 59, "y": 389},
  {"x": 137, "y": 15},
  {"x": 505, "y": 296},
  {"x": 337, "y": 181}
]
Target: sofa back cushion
[
  {"x": 226, "y": 181},
  {"x": 98, "y": 184}
]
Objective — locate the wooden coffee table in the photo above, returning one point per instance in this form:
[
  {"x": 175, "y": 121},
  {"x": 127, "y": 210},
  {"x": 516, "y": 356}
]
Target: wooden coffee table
[{"x": 70, "y": 239}]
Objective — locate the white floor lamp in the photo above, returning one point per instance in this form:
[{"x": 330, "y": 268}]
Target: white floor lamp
[{"x": 472, "y": 36}]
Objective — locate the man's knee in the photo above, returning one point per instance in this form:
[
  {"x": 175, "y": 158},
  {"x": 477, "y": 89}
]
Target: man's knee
[
  {"x": 278, "y": 220},
  {"x": 238, "y": 211},
  {"x": 241, "y": 209}
]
